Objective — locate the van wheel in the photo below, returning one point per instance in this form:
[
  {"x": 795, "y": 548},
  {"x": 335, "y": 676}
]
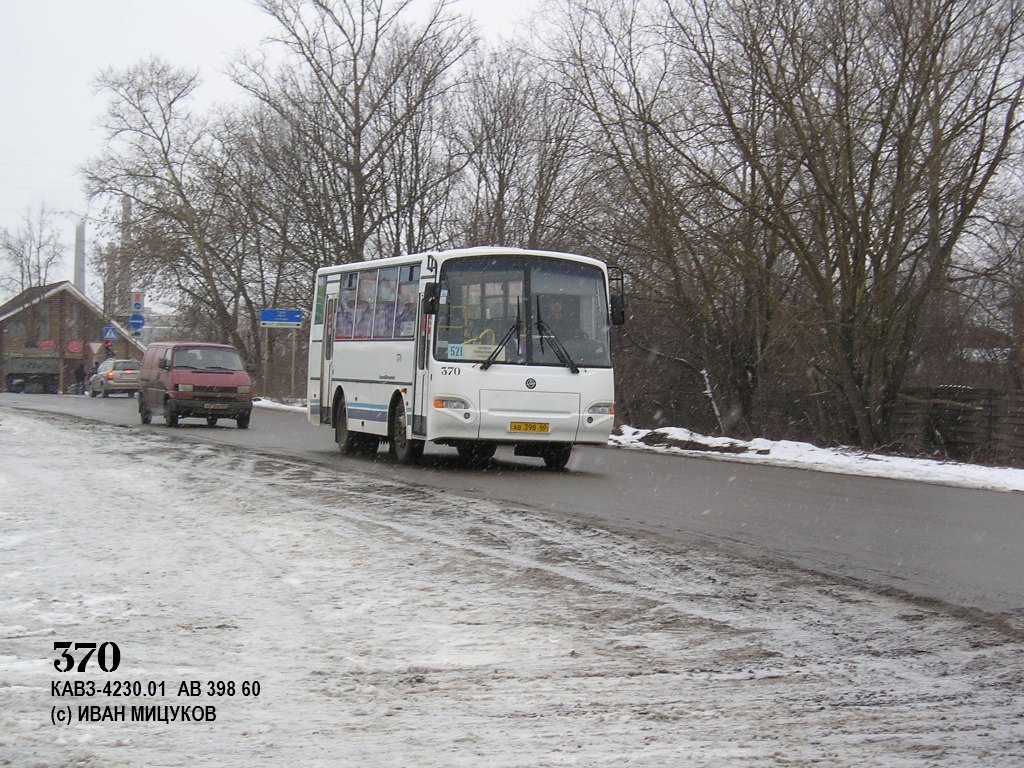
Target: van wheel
[
  {"x": 242, "y": 422},
  {"x": 145, "y": 415},
  {"x": 211, "y": 421},
  {"x": 403, "y": 448},
  {"x": 170, "y": 417}
]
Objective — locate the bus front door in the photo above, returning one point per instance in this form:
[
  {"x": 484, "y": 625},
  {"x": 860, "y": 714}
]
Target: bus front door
[
  {"x": 421, "y": 380},
  {"x": 326, "y": 359}
]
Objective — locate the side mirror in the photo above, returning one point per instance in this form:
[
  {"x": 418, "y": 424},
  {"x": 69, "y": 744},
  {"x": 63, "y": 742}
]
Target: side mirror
[
  {"x": 618, "y": 309},
  {"x": 430, "y": 294},
  {"x": 163, "y": 364}
]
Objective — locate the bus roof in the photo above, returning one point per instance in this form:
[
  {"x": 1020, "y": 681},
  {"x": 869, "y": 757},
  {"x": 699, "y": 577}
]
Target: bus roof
[{"x": 489, "y": 250}]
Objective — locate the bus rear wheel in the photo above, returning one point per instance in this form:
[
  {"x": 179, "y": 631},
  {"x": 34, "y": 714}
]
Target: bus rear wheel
[{"x": 403, "y": 448}]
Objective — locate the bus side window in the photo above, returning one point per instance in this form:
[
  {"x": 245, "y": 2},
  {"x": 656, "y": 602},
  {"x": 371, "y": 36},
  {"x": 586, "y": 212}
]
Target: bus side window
[
  {"x": 387, "y": 296},
  {"x": 364, "y": 304},
  {"x": 343, "y": 321},
  {"x": 384, "y": 321},
  {"x": 364, "y": 319},
  {"x": 405, "y": 318},
  {"x": 346, "y": 307}
]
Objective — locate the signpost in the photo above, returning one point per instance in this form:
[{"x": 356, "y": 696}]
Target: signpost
[
  {"x": 280, "y": 318},
  {"x": 109, "y": 333}
]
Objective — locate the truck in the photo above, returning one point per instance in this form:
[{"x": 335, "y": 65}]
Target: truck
[{"x": 36, "y": 371}]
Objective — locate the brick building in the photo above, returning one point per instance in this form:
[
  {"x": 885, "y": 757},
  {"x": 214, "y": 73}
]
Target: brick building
[{"x": 60, "y": 318}]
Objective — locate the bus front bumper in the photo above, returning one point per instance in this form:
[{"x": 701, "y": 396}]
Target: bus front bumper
[{"x": 522, "y": 417}]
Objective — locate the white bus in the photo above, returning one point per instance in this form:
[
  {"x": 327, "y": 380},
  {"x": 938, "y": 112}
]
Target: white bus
[{"x": 470, "y": 348}]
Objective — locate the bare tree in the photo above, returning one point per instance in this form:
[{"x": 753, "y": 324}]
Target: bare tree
[
  {"x": 991, "y": 283},
  {"x": 424, "y": 163},
  {"x": 170, "y": 166},
  {"x": 354, "y": 91},
  {"x": 31, "y": 252},
  {"x": 528, "y": 179},
  {"x": 679, "y": 215},
  {"x": 888, "y": 120}
]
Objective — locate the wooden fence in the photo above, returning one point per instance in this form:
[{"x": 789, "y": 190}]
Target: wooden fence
[{"x": 983, "y": 426}]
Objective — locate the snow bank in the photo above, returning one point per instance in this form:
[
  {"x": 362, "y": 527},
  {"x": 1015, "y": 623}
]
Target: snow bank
[{"x": 804, "y": 455}]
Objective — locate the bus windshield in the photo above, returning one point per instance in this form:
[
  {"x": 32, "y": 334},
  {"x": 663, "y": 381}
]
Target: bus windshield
[{"x": 522, "y": 310}]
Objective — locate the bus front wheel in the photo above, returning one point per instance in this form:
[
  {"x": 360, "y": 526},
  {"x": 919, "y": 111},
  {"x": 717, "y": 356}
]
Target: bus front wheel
[
  {"x": 403, "y": 448},
  {"x": 476, "y": 454},
  {"x": 557, "y": 458},
  {"x": 346, "y": 439}
]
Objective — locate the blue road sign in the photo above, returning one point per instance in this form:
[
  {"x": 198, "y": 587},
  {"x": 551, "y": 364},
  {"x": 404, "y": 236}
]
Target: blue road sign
[
  {"x": 281, "y": 318},
  {"x": 136, "y": 321},
  {"x": 109, "y": 333}
]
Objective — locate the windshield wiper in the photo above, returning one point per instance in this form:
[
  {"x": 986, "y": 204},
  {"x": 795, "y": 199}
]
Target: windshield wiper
[
  {"x": 556, "y": 343},
  {"x": 514, "y": 328}
]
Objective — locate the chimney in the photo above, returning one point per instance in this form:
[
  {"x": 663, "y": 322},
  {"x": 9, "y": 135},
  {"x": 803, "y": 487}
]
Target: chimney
[{"x": 80, "y": 256}]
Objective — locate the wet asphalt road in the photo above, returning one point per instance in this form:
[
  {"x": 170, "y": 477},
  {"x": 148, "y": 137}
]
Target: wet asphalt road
[{"x": 962, "y": 547}]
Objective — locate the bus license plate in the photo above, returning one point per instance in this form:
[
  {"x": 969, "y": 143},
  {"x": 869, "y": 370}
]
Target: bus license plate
[{"x": 529, "y": 426}]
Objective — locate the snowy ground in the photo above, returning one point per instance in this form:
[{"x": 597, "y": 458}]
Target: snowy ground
[{"x": 391, "y": 626}]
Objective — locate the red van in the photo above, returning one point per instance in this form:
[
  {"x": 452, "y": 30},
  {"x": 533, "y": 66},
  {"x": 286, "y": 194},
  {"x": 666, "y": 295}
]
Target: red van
[{"x": 194, "y": 379}]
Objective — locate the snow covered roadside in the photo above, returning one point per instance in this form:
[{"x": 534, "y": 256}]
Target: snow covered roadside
[
  {"x": 787, "y": 453},
  {"x": 389, "y": 625}
]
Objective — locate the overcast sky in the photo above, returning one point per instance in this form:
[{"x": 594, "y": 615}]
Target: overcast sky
[{"x": 51, "y": 51}]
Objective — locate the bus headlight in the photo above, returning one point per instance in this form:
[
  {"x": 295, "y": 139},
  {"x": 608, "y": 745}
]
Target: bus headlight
[
  {"x": 597, "y": 413},
  {"x": 450, "y": 403}
]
